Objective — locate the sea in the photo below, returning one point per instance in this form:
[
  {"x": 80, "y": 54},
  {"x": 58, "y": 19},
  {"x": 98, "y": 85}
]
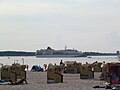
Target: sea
[{"x": 32, "y": 60}]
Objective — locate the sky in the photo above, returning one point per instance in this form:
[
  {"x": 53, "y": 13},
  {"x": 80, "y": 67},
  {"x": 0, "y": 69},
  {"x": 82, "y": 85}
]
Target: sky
[{"x": 85, "y": 25}]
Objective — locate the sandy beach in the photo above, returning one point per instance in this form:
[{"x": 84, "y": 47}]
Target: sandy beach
[{"x": 38, "y": 81}]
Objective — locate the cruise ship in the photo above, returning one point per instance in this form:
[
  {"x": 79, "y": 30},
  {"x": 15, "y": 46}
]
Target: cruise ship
[{"x": 49, "y": 52}]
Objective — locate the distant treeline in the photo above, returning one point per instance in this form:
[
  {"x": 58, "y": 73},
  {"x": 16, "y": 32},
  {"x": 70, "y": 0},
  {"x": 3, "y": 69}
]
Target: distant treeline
[
  {"x": 16, "y": 53},
  {"x": 99, "y": 54},
  {"x": 21, "y": 53}
]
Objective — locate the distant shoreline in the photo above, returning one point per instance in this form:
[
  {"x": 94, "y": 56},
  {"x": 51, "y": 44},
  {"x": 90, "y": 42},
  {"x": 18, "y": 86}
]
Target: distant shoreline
[
  {"x": 16, "y": 53},
  {"x": 21, "y": 53}
]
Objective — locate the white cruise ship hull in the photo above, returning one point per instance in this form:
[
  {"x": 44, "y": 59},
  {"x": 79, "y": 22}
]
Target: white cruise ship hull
[{"x": 58, "y": 56}]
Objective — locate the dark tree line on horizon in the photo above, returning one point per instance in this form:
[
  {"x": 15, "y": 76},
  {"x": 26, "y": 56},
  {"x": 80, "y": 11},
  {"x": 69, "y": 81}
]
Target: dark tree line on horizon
[
  {"x": 21, "y": 53},
  {"x": 16, "y": 53},
  {"x": 99, "y": 54}
]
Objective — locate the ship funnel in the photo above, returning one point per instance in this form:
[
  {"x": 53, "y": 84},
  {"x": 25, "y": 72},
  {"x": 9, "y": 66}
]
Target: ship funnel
[
  {"x": 49, "y": 48},
  {"x": 118, "y": 52}
]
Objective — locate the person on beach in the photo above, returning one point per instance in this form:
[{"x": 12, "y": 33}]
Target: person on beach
[
  {"x": 61, "y": 63},
  {"x": 27, "y": 67},
  {"x": 45, "y": 66},
  {"x": 19, "y": 82}
]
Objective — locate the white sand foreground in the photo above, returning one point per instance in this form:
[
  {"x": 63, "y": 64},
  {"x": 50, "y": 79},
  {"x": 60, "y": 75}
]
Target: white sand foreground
[{"x": 38, "y": 81}]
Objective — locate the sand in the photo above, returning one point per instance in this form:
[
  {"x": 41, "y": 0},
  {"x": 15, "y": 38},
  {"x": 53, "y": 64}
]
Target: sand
[{"x": 38, "y": 81}]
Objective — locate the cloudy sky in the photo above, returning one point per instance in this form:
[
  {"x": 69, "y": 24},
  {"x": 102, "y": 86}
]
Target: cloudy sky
[{"x": 86, "y": 25}]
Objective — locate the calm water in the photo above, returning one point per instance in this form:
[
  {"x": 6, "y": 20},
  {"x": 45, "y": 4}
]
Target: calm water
[{"x": 40, "y": 61}]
